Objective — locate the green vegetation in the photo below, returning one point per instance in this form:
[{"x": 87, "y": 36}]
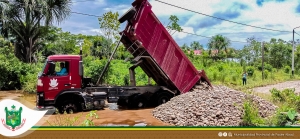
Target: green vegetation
[
  {"x": 69, "y": 120},
  {"x": 286, "y": 114},
  {"x": 251, "y": 116},
  {"x": 25, "y": 42}
]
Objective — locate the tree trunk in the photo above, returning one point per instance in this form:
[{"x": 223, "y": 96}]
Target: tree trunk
[
  {"x": 30, "y": 48},
  {"x": 27, "y": 56}
]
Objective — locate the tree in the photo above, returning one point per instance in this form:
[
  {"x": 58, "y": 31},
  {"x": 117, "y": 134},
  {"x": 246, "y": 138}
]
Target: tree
[
  {"x": 109, "y": 26},
  {"x": 196, "y": 46},
  {"x": 280, "y": 53},
  {"x": 174, "y": 25},
  {"x": 251, "y": 53},
  {"x": 57, "y": 42},
  {"x": 218, "y": 43},
  {"x": 28, "y": 20}
]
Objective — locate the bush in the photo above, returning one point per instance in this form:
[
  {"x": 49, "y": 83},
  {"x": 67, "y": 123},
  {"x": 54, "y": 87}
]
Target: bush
[
  {"x": 12, "y": 70},
  {"x": 220, "y": 67},
  {"x": 250, "y": 71},
  {"x": 266, "y": 67},
  {"x": 266, "y": 74},
  {"x": 95, "y": 69},
  {"x": 287, "y": 69},
  {"x": 287, "y": 96},
  {"x": 251, "y": 115}
]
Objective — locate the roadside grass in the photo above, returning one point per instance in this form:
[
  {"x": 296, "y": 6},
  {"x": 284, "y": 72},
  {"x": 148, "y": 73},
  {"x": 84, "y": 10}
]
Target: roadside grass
[
  {"x": 288, "y": 104},
  {"x": 257, "y": 81},
  {"x": 72, "y": 120}
]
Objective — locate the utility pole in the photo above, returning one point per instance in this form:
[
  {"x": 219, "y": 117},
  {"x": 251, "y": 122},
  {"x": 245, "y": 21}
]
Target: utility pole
[
  {"x": 293, "y": 52},
  {"x": 293, "y": 55},
  {"x": 262, "y": 67}
]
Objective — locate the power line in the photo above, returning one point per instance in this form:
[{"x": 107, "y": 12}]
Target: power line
[
  {"x": 219, "y": 17},
  {"x": 208, "y": 37},
  {"x": 180, "y": 31},
  {"x": 85, "y": 14}
]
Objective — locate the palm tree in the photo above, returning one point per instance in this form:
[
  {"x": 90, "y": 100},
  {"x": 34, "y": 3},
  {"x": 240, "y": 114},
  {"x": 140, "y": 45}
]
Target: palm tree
[
  {"x": 3, "y": 8},
  {"x": 28, "y": 20},
  {"x": 219, "y": 42},
  {"x": 196, "y": 46}
]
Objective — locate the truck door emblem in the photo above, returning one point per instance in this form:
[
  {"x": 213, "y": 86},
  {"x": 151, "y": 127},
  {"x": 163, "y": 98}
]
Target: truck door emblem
[{"x": 53, "y": 83}]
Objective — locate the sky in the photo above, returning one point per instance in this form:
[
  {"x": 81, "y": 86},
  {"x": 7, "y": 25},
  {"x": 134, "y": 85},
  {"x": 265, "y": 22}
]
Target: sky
[{"x": 282, "y": 15}]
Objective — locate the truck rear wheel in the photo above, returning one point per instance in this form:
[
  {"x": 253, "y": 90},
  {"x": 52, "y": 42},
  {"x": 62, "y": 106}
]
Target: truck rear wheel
[
  {"x": 122, "y": 102},
  {"x": 163, "y": 98},
  {"x": 140, "y": 102},
  {"x": 136, "y": 101}
]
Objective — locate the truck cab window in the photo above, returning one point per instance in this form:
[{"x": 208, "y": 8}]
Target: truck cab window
[{"x": 62, "y": 68}]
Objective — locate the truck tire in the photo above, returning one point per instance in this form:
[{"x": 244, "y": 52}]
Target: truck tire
[
  {"x": 163, "y": 98},
  {"x": 131, "y": 101},
  {"x": 122, "y": 102},
  {"x": 129, "y": 14},
  {"x": 140, "y": 102},
  {"x": 69, "y": 107}
]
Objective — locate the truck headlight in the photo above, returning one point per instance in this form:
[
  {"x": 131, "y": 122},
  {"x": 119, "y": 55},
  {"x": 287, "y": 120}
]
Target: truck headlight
[
  {"x": 39, "y": 82},
  {"x": 41, "y": 95}
]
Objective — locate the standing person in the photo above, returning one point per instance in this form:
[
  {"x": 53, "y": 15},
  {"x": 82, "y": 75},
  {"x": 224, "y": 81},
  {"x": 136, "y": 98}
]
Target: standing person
[{"x": 245, "y": 78}]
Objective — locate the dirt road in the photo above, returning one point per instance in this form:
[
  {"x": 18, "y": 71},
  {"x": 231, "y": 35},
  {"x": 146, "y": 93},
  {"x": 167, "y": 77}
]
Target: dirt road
[{"x": 280, "y": 86}]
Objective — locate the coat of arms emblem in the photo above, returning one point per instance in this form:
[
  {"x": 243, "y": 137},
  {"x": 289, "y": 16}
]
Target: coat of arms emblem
[
  {"x": 53, "y": 82},
  {"x": 13, "y": 118}
]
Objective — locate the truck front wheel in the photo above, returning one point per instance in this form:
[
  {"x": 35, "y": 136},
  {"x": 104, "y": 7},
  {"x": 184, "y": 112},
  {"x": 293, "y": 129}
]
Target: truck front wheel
[{"x": 68, "y": 107}]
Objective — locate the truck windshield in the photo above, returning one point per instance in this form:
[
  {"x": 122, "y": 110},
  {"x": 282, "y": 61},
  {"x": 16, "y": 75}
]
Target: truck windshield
[{"x": 40, "y": 73}]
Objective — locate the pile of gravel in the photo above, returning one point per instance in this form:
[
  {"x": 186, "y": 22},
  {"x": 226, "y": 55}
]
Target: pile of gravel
[{"x": 203, "y": 106}]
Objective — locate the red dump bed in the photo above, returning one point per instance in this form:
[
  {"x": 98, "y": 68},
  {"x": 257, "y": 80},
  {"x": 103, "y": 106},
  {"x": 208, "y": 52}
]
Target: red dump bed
[{"x": 144, "y": 35}]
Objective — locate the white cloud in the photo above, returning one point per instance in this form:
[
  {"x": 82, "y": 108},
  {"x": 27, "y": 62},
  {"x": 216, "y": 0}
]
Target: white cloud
[
  {"x": 100, "y": 2},
  {"x": 121, "y": 9},
  {"x": 97, "y": 31},
  {"x": 273, "y": 15}
]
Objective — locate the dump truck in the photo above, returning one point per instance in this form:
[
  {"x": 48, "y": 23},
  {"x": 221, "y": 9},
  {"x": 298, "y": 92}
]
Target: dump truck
[{"x": 153, "y": 50}]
